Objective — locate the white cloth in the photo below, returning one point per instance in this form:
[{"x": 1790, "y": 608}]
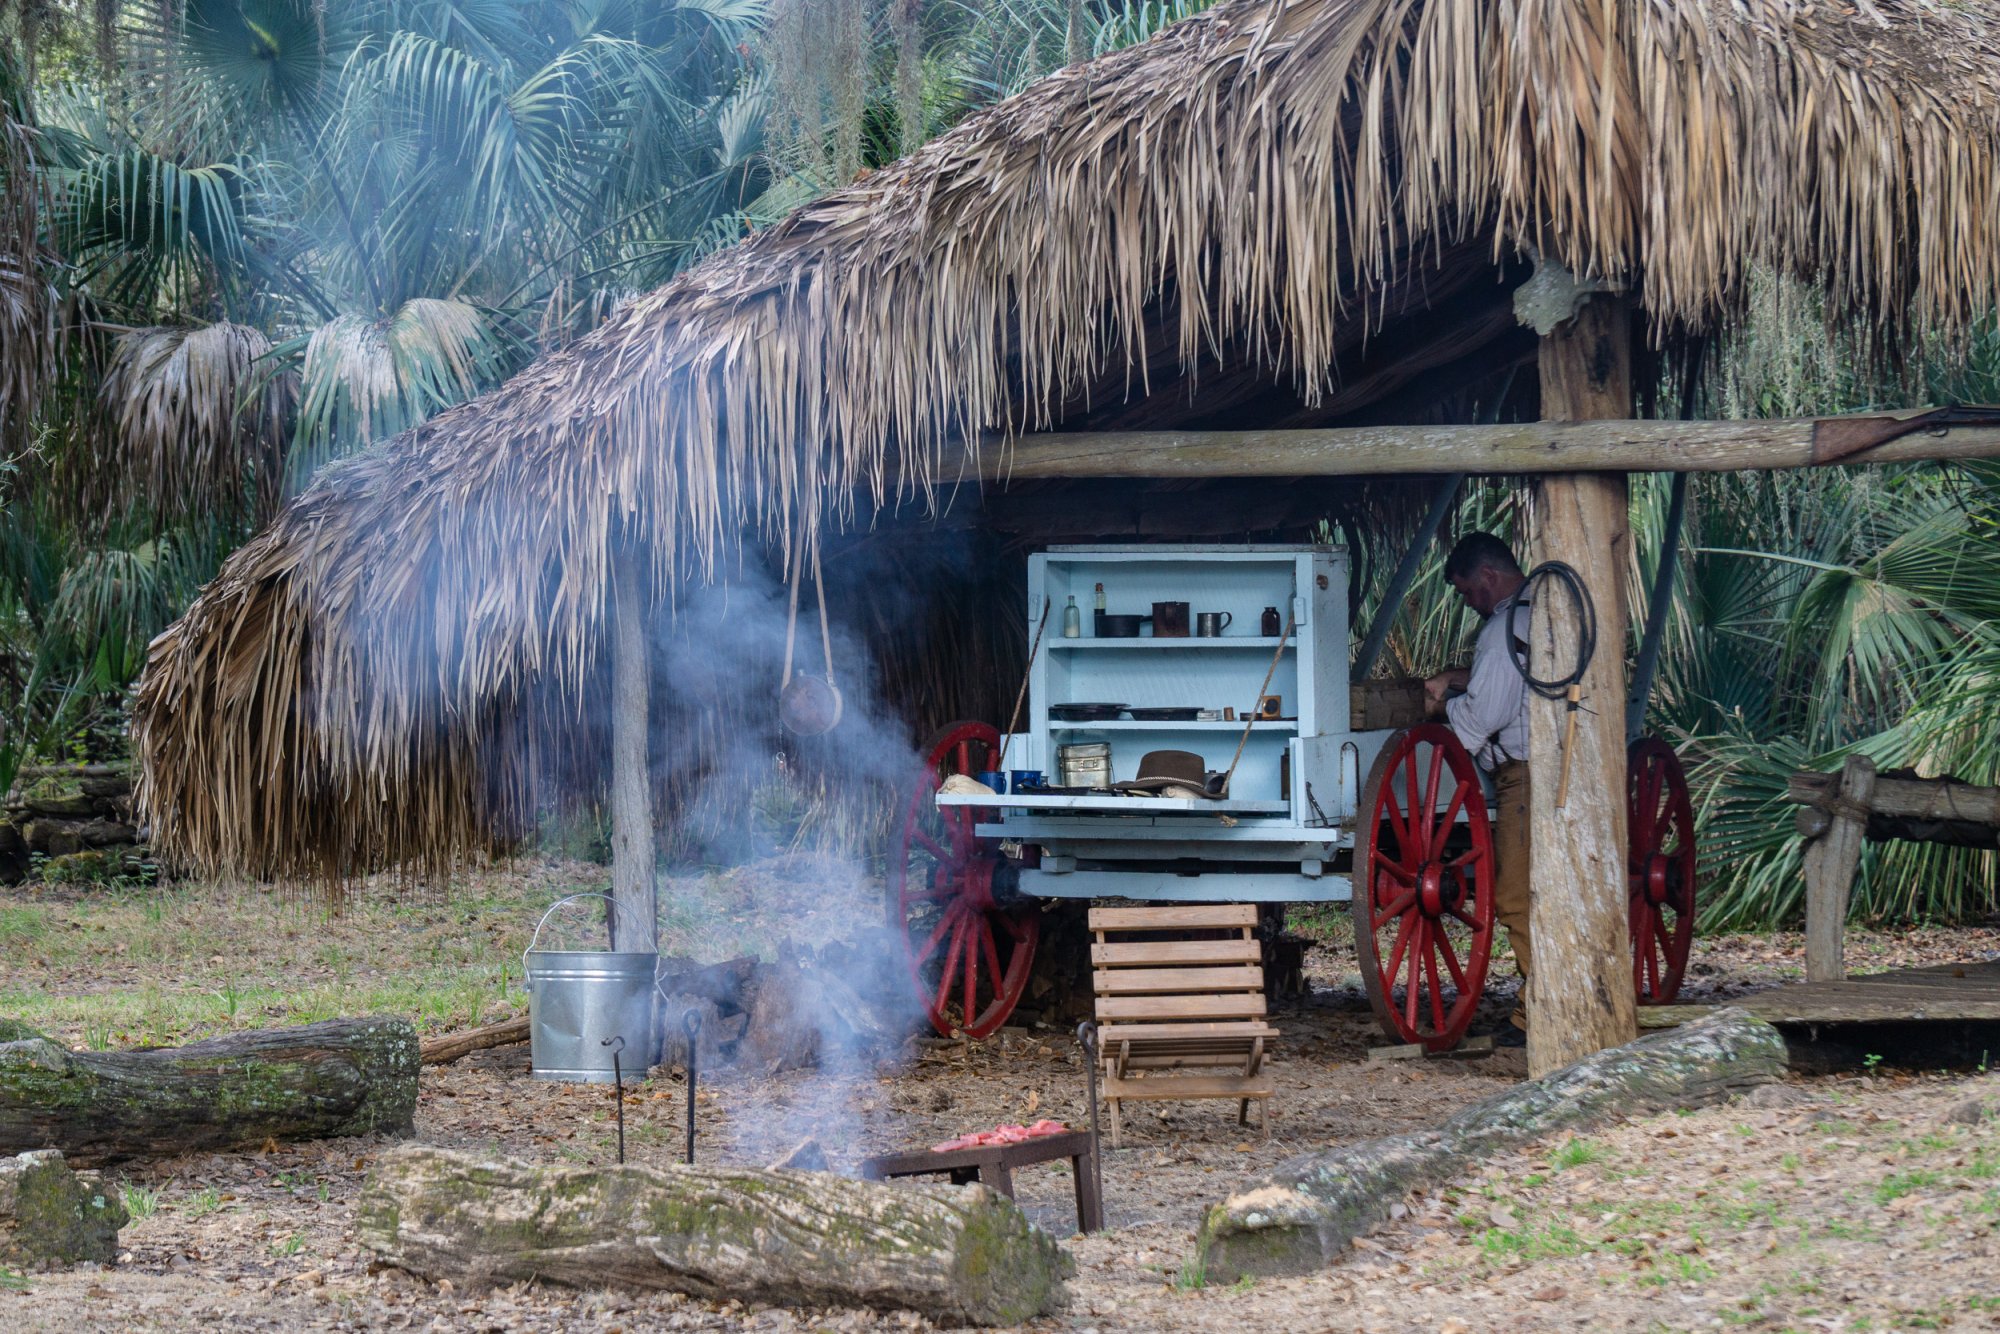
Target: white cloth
[{"x": 1491, "y": 717}]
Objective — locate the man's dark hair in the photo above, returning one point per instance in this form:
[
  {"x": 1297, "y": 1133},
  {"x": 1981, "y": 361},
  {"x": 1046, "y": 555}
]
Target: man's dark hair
[{"x": 1479, "y": 551}]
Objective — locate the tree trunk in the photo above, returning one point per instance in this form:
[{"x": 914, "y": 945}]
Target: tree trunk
[
  {"x": 635, "y": 906},
  {"x": 959, "y": 1255},
  {"x": 1304, "y": 1215},
  {"x": 1580, "y": 996},
  {"x": 343, "y": 1077}
]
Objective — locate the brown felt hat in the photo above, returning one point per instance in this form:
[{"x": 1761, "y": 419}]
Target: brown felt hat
[{"x": 1184, "y": 770}]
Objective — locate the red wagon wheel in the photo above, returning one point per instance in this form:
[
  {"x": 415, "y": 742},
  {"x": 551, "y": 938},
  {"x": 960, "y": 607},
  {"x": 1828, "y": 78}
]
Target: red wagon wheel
[
  {"x": 969, "y": 955},
  {"x": 1423, "y": 887},
  {"x": 1660, "y": 832}
]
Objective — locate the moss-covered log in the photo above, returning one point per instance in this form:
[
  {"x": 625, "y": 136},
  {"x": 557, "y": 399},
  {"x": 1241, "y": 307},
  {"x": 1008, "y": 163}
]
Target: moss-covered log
[
  {"x": 1311, "y": 1207},
  {"x": 343, "y": 1077},
  {"x": 958, "y": 1254}
]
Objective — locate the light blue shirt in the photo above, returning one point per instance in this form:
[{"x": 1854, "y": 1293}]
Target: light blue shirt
[{"x": 1491, "y": 717}]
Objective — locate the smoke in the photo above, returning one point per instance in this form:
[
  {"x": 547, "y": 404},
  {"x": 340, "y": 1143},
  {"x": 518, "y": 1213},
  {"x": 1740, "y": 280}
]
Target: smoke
[{"x": 839, "y": 1003}]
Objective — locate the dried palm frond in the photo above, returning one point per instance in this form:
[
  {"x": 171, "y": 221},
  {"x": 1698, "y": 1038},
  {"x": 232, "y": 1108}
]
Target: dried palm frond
[
  {"x": 194, "y": 415},
  {"x": 380, "y": 674}
]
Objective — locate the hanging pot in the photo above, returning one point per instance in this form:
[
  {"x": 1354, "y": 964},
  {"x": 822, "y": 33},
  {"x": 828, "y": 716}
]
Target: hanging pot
[{"x": 808, "y": 705}]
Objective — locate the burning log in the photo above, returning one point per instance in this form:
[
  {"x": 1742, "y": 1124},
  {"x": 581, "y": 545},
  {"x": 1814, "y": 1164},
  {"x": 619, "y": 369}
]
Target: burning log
[
  {"x": 961, "y": 1255},
  {"x": 1305, "y": 1214},
  {"x": 343, "y": 1077}
]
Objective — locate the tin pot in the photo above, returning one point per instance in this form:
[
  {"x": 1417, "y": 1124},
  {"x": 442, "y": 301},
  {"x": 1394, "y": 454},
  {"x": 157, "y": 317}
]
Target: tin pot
[{"x": 1120, "y": 626}]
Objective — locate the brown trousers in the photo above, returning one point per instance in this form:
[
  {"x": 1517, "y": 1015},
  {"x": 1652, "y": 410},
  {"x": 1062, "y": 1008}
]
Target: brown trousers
[{"x": 1510, "y": 856}]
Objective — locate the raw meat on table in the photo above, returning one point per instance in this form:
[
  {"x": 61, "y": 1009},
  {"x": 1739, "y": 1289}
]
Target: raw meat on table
[{"x": 999, "y": 1135}]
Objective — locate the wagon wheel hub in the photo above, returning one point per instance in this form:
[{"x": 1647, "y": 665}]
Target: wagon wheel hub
[
  {"x": 1659, "y": 879},
  {"x": 1431, "y": 898}
]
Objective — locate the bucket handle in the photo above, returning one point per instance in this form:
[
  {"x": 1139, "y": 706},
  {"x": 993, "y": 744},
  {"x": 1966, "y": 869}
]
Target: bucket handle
[{"x": 535, "y": 939}]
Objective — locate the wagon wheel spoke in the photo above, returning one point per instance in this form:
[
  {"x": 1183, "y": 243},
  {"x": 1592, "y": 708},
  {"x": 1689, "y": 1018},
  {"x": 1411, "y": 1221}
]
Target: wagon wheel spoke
[
  {"x": 921, "y": 837},
  {"x": 1451, "y": 963},
  {"x": 1396, "y": 908},
  {"x": 1450, "y": 817},
  {"x": 936, "y": 936},
  {"x": 1410, "y": 989},
  {"x": 1431, "y": 783},
  {"x": 975, "y": 926},
  {"x": 945, "y": 978},
  {"x": 1437, "y": 992},
  {"x": 1396, "y": 950}
]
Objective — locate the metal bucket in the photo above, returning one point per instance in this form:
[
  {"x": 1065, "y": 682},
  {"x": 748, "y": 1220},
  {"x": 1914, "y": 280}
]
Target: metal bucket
[{"x": 579, "y": 1000}]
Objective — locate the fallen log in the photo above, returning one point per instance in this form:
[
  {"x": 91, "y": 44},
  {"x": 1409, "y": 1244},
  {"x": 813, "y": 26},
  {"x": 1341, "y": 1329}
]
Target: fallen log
[
  {"x": 342, "y": 1077},
  {"x": 1311, "y": 1207},
  {"x": 449, "y": 1047},
  {"x": 959, "y": 1255}
]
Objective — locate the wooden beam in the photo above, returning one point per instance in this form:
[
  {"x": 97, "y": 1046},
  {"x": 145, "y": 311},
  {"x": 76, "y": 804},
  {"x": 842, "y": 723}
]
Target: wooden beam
[
  {"x": 1620, "y": 445},
  {"x": 1580, "y": 998},
  {"x": 1830, "y": 861},
  {"x": 1909, "y": 798},
  {"x": 635, "y": 905}
]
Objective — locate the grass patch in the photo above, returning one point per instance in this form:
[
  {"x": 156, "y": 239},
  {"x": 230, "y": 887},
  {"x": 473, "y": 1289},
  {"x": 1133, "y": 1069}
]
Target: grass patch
[
  {"x": 139, "y": 1201},
  {"x": 202, "y": 1203},
  {"x": 1898, "y": 1184},
  {"x": 1576, "y": 1153},
  {"x": 1193, "y": 1274}
]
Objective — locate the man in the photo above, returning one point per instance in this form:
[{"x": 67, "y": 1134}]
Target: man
[{"x": 1491, "y": 718}]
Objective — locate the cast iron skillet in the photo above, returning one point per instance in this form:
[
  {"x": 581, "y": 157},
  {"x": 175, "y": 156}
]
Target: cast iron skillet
[{"x": 1085, "y": 713}]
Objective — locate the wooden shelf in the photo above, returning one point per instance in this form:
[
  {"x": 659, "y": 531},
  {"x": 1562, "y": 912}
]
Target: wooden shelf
[
  {"x": 1265, "y": 642},
  {"x": 1148, "y": 725}
]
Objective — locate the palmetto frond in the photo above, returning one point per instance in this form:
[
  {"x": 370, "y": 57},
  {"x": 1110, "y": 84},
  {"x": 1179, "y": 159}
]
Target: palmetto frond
[
  {"x": 363, "y": 380},
  {"x": 197, "y": 420}
]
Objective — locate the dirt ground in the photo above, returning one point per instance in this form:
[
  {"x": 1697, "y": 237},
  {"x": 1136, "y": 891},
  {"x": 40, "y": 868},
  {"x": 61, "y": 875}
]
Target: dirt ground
[{"x": 1863, "y": 1201}]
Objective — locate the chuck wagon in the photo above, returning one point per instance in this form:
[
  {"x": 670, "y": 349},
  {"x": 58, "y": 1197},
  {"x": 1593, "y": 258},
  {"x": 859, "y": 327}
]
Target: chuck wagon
[{"x": 1324, "y": 803}]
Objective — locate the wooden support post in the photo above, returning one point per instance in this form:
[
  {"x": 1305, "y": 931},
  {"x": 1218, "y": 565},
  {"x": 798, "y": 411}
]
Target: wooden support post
[
  {"x": 1580, "y": 996},
  {"x": 635, "y": 908},
  {"x": 1830, "y": 860}
]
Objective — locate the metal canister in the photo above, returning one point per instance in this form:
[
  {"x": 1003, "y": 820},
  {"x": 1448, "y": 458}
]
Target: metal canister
[{"x": 1084, "y": 764}]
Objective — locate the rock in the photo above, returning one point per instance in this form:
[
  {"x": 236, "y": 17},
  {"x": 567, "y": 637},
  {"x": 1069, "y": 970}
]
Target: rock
[
  {"x": 1970, "y": 1112},
  {"x": 105, "y": 833},
  {"x": 106, "y": 786},
  {"x": 75, "y": 807},
  {"x": 51, "y": 838},
  {"x": 806, "y": 1156},
  {"x": 14, "y": 861},
  {"x": 52, "y": 1215},
  {"x": 1777, "y": 1096}
]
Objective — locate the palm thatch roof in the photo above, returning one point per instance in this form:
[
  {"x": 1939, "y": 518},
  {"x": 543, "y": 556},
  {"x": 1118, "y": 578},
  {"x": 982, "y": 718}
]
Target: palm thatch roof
[{"x": 1236, "y": 217}]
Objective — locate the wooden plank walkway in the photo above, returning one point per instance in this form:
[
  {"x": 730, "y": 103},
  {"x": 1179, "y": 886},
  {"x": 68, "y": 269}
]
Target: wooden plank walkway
[{"x": 1948, "y": 993}]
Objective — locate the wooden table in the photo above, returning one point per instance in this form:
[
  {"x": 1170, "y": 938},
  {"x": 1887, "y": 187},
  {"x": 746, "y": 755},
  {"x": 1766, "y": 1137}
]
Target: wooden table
[{"x": 993, "y": 1165}]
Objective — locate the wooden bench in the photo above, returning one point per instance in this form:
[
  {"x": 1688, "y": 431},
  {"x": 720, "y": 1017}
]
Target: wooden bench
[{"x": 1181, "y": 989}]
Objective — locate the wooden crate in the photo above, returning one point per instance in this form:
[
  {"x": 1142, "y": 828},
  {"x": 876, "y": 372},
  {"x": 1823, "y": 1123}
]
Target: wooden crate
[{"x": 1385, "y": 703}]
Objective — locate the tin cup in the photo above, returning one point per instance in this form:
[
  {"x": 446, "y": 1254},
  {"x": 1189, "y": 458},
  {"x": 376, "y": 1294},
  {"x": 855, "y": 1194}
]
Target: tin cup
[
  {"x": 1211, "y": 624},
  {"x": 994, "y": 779},
  {"x": 1020, "y": 778}
]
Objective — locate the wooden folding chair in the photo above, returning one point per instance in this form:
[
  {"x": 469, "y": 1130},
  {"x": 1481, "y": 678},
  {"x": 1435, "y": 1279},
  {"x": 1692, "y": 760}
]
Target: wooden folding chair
[{"x": 1181, "y": 989}]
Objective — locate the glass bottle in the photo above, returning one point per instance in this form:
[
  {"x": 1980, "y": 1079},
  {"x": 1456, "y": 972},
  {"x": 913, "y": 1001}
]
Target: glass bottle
[
  {"x": 1072, "y": 619},
  {"x": 1097, "y": 621}
]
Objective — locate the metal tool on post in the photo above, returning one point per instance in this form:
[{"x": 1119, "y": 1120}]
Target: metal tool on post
[
  {"x": 617, "y": 1045},
  {"x": 1086, "y": 1036},
  {"x": 691, "y": 1025}
]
